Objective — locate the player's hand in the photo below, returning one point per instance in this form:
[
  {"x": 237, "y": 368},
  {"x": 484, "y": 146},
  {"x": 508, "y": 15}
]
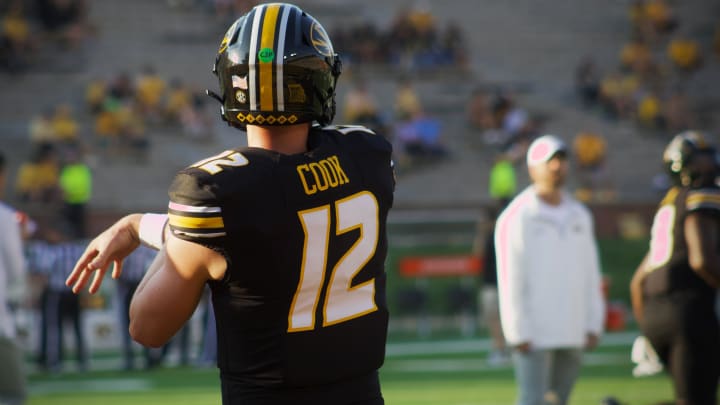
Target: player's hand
[
  {"x": 523, "y": 347},
  {"x": 111, "y": 246},
  {"x": 591, "y": 341}
]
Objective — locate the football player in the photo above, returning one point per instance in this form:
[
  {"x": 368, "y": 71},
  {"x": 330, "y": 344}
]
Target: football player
[
  {"x": 673, "y": 290},
  {"x": 289, "y": 232}
]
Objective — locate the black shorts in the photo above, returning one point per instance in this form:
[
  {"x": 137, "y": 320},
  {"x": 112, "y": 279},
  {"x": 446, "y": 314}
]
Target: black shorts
[
  {"x": 361, "y": 390},
  {"x": 683, "y": 329}
]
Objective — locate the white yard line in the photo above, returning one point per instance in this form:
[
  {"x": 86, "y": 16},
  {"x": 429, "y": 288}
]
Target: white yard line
[
  {"x": 482, "y": 345},
  {"x": 477, "y": 365},
  {"x": 114, "y": 385}
]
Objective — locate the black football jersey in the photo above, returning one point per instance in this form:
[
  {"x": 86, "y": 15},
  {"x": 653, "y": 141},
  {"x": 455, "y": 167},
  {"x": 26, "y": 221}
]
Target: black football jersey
[
  {"x": 668, "y": 257},
  {"x": 303, "y": 300}
]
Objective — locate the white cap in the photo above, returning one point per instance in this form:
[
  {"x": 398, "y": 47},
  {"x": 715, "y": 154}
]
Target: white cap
[{"x": 543, "y": 148}]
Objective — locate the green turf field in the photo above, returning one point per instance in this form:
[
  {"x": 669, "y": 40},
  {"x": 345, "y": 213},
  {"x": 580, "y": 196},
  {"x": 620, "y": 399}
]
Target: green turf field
[{"x": 415, "y": 373}]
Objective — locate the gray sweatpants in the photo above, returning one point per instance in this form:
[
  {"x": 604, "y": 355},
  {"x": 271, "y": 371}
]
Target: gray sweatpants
[{"x": 546, "y": 376}]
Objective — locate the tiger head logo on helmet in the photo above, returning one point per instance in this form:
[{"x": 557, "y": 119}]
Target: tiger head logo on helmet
[
  {"x": 276, "y": 66},
  {"x": 683, "y": 150}
]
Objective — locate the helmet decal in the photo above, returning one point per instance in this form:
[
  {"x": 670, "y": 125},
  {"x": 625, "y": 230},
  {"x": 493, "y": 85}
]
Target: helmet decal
[
  {"x": 228, "y": 35},
  {"x": 266, "y": 55},
  {"x": 320, "y": 40},
  {"x": 296, "y": 93},
  {"x": 241, "y": 96},
  {"x": 224, "y": 44}
]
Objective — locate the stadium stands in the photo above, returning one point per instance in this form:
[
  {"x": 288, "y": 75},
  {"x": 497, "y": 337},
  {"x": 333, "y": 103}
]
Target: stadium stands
[{"x": 524, "y": 46}]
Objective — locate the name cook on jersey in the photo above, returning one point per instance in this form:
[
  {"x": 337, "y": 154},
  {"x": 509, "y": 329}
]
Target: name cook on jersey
[{"x": 322, "y": 175}]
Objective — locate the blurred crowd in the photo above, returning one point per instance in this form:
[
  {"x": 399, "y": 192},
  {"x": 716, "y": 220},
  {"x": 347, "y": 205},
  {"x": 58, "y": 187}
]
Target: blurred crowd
[
  {"x": 415, "y": 41},
  {"x": 113, "y": 121},
  {"x": 124, "y": 106},
  {"x": 648, "y": 85},
  {"x": 118, "y": 112},
  {"x": 416, "y": 133},
  {"x": 28, "y": 27}
]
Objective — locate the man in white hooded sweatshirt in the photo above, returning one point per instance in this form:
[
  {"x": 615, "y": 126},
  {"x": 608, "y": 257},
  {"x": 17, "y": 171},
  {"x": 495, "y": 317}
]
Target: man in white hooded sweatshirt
[
  {"x": 12, "y": 277},
  {"x": 549, "y": 281}
]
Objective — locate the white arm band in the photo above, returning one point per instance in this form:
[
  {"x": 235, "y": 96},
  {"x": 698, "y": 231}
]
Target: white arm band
[{"x": 152, "y": 230}]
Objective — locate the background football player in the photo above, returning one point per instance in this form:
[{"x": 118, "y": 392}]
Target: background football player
[{"x": 673, "y": 290}]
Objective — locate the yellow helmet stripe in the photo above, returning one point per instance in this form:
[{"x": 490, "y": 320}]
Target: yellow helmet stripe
[{"x": 267, "y": 41}]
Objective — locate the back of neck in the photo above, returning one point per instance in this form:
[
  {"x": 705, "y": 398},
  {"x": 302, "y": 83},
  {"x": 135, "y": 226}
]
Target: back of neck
[{"x": 288, "y": 140}]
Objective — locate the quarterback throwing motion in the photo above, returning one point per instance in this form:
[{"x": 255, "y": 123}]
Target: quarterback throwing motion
[{"x": 288, "y": 232}]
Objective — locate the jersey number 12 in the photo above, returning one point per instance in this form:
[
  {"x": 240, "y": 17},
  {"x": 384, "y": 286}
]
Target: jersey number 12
[{"x": 343, "y": 301}]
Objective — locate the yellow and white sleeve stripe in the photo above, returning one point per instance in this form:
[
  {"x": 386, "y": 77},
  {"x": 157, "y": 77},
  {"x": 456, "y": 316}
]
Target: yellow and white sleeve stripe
[
  {"x": 196, "y": 221},
  {"x": 703, "y": 199}
]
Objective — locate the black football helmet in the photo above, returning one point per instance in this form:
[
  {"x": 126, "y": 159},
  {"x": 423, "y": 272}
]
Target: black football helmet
[
  {"x": 682, "y": 149},
  {"x": 276, "y": 66}
]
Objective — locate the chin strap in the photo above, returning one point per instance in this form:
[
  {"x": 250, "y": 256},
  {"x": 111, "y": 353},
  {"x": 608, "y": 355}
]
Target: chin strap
[
  {"x": 214, "y": 95},
  {"x": 217, "y": 97}
]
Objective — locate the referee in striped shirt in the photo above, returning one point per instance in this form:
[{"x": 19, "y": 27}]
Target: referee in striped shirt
[{"x": 56, "y": 260}]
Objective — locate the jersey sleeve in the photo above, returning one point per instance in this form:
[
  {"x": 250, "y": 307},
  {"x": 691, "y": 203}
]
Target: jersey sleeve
[
  {"x": 194, "y": 211},
  {"x": 707, "y": 200}
]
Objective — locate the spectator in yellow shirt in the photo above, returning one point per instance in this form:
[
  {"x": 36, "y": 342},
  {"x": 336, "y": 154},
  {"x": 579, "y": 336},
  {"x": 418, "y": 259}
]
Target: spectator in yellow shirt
[
  {"x": 590, "y": 152},
  {"x": 65, "y": 127},
  {"x": 95, "y": 94},
  {"x": 636, "y": 57},
  {"x": 617, "y": 92},
  {"x": 178, "y": 99},
  {"x": 150, "y": 92},
  {"x": 590, "y": 149},
  {"x": 37, "y": 179},
  {"x": 407, "y": 101},
  {"x": 661, "y": 15},
  {"x": 685, "y": 54},
  {"x": 107, "y": 123},
  {"x": 650, "y": 111},
  {"x": 16, "y": 39}
]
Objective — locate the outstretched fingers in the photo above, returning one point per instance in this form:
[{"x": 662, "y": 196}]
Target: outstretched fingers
[
  {"x": 80, "y": 273},
  {"x": 117, "y": 269},
  {"x": 97, "y": 280},
  {"x": 91, "y": 261},
  {"x": 82, "y": 280}
]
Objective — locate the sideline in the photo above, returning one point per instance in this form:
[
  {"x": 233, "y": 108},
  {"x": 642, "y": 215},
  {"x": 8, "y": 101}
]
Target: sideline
[
  {"x": 475, "y": 365},
  {"x": 459, "y": 346}
]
